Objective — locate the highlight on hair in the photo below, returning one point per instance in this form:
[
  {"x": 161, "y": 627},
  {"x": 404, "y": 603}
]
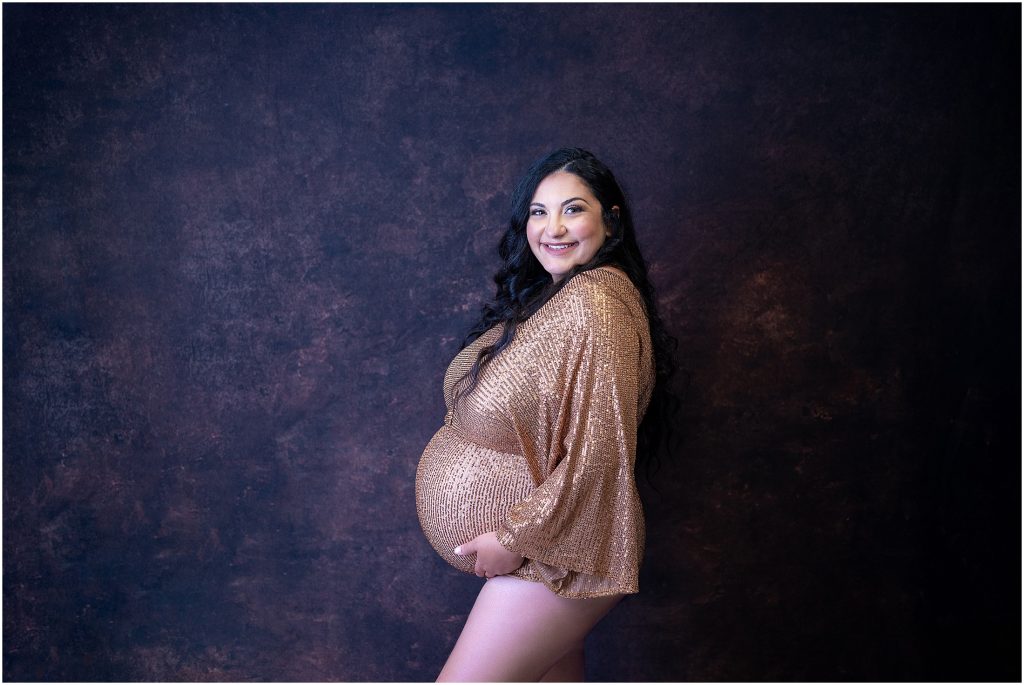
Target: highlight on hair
[{"x": 523, "y": 286}]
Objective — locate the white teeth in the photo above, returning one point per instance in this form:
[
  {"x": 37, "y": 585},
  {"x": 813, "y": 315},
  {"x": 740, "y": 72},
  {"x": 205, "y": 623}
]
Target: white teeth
[{"x": 560, "y": 247}]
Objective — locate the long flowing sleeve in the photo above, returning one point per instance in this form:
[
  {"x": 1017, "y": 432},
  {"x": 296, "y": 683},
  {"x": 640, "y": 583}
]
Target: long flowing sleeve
[{"x": 582, "y": 529}]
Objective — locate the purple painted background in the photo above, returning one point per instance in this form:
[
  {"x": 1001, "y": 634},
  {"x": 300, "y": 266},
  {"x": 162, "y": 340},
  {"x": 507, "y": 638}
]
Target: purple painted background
[{"x": 241, "y": 244}]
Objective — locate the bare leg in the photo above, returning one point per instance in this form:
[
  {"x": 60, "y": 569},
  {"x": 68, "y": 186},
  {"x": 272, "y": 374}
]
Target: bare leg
[
  {"x": 518, "y": 630},
  {"x": 569, "y": 669}
]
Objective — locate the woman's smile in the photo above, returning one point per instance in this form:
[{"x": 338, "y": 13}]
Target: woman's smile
[{"x": 559, "y": 248}]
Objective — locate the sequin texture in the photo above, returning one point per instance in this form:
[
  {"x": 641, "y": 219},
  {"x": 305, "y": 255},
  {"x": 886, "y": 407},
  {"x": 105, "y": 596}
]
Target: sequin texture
[{"x": 542, "y": 449}]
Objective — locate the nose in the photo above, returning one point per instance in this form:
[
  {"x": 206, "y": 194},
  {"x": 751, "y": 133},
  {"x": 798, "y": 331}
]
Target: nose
[{"x": 555, "y": 227}]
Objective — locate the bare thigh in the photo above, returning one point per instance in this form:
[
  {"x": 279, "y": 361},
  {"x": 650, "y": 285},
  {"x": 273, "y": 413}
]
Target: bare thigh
[{"x": 519, "y": 629}]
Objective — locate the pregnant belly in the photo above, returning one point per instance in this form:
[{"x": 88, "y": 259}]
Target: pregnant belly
[{"x": 464, "y": 490}]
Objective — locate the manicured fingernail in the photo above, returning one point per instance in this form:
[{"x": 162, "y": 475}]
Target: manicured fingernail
[{"x": 458, "y": 550}]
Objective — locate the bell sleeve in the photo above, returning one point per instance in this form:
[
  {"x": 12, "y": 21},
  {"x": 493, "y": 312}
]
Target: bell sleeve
[{"x": 582, "y": 529}]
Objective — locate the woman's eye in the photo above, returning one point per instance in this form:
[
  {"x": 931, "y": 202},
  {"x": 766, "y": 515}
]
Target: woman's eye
[
  {"x": 536, "y": 212},
  {"x": 573, "y": 209}
]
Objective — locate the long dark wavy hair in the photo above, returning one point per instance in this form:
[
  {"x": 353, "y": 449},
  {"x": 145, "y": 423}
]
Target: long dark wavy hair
[{"x": 524, "y": 286}]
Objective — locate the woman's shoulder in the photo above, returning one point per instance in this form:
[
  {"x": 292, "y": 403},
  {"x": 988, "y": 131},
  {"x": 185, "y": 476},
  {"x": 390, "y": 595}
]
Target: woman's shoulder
[
  {"x": 603, "y": 283},
  {"x": 602, "y": 293}
]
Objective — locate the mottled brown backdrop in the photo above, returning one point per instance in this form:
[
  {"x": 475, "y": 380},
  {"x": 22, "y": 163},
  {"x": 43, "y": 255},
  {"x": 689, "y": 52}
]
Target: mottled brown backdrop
[{"x": 241, "y": 244}]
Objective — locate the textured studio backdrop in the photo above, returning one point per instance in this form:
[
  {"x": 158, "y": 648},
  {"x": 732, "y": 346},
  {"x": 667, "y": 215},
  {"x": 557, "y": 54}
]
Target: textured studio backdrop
[{"x": 242, "y": 242}]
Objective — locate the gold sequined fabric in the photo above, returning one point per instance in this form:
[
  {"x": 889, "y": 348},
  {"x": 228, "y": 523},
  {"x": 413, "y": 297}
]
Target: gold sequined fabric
[{"x": 542, "y": 449}]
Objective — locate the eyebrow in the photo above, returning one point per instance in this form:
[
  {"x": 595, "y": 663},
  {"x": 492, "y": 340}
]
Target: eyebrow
[{"x": 571, "y": 199}]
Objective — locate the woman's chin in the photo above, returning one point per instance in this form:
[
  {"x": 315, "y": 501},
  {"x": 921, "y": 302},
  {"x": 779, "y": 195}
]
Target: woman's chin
[{"x": 558, "y": 275}]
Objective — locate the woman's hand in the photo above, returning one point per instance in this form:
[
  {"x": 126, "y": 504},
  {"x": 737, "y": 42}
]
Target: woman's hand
[{"x": 492, "y": 559}]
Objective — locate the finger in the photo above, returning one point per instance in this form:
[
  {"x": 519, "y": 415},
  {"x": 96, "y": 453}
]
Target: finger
[{"x": 465, "y": 548}]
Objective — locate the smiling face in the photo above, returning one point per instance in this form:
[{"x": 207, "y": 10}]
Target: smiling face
[{"x": 565, "y": 227}]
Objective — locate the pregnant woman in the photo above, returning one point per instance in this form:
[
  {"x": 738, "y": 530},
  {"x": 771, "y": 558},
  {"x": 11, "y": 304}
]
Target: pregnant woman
[{"x": 529, "y": 482}]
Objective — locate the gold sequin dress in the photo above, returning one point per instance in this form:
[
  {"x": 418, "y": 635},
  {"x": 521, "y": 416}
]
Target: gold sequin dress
[{"x": 542, "y": 449}]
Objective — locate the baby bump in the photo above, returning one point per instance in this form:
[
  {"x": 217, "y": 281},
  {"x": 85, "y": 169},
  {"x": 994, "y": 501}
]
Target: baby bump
[{"x": 463, "y": 490}]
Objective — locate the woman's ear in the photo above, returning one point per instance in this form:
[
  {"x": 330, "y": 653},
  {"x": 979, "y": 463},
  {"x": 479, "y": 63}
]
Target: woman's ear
[{"x": 615, "y": 212}]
